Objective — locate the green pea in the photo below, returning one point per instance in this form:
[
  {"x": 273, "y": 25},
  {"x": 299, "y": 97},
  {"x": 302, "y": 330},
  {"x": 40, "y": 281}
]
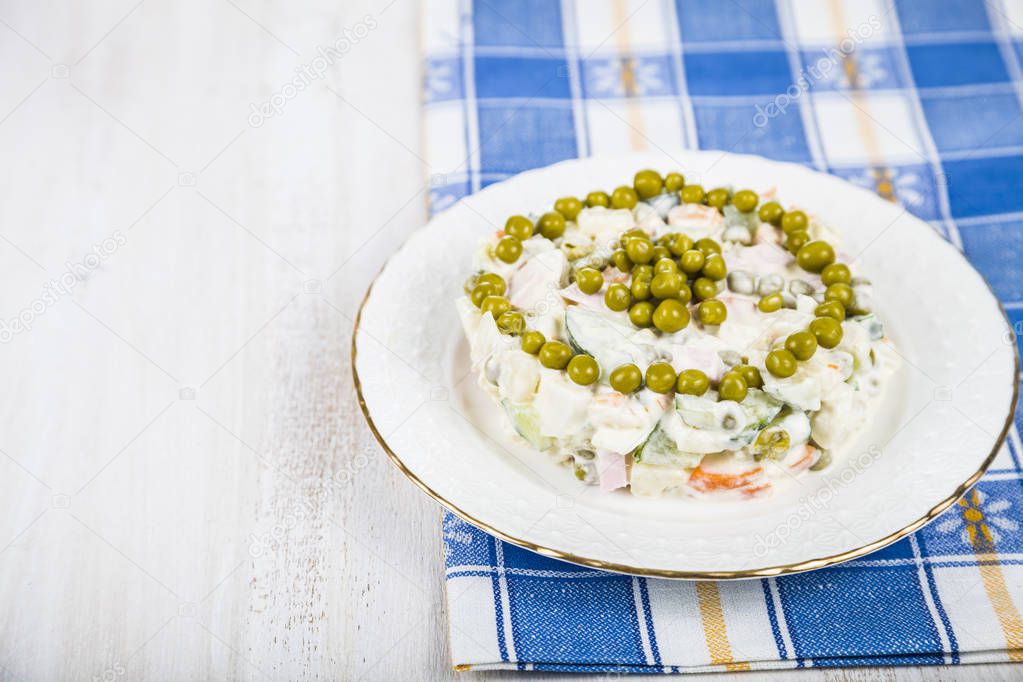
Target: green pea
[
  {"x": 692, "y": 382},
  {"x": 481, "y": 291},
  {"x": 732, "y": 387},
  {"x": 495, "y": 280},
  {"x": 589, "y": 280},
  {"x": 751, "y": 375},
  {"x": 583, "y": 370},
  {"x": 508, "y": 249},
  {"x": 685, "y": 292},
  {"x": 781, "y": 363},
  {"x": 712, "y": 312},
  {"x": 568, "y": 207},
  {"x": 671, "y": 316},
  {"x": 665, "y": 266},
  {"x": 770, "y": 303},
  {"x": 794, "y": 221},
  {"x": 660, "y": 377},
  {"x": 745, "y": 200},
  {"x": 815, "y": 256},
  {"x": 714, "y": 268},
  {"x": 666, "y": 285},
  {"x": 802, "y": 345},
  {"x": 551, "y": 225},
  {"x": 717, "y": 197},
  {"x": 532, "y": 342},
  {"x": 692, "y": 194},
  {"x": 691, "y": 262},
  {"x": 624, "y": 197},
  {"x": 645, "y": 271},
  {"x": 832, "y": 309},
  {"x": 673, "y": 182},
  {"x": 495, "y": 305},
  {"x": 704, "y": 288},
  {"x": 836, "y": 273},
  {"x": 708, "y": 246},
  {"x": 680, "y": 244},
  {"x": 620, "y": 259},
  {"x": 626, "y": 379},
  {"x": 555, "y": 355},
  {"x": 771, "y": 212},
  {"x": 661, "y": 251},
  {"x": 598, "y": 199},
  {"x": 642, "y": 314},
  {"x": 648, "y": 183},
  {"x": 512, "y": 323},
  {"x": 827, "y": 330},
  {"x": 842, "y": 293},
  {"x": 617, "y": 297},
  {"x": 639, "y": 249},
  {"x": 796, "y": 241},
  {"x": 519, "y": 226},
  {"x": 640, "y": 288}
]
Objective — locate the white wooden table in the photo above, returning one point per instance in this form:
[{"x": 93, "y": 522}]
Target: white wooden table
[{"x": 189, "y": 489}]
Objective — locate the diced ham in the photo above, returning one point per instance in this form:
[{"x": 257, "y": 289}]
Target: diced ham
[{"x": 611, "y": 469}]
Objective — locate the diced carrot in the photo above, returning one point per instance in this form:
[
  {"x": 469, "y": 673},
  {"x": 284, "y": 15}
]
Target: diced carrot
[
  {"x": 756, "y": 490},
  {"x": 708, "y": 481},
  {"x": 806, "y": 460}
]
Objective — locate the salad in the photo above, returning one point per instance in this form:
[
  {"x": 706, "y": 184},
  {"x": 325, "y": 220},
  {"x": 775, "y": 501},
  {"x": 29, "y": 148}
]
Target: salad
[{"x": 675, "y": 341}]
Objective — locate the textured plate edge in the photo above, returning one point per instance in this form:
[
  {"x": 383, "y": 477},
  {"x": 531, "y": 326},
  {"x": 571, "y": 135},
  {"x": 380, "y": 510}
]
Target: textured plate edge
[{"x": 766, "y": 572}]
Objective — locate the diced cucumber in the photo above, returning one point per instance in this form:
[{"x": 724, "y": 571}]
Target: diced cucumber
[
  {"x": 611, "y": 343},
  {"x": 661, "y": 449},
  {"x": 873, "y": 325},
  {"x": 526, "y": 421}
]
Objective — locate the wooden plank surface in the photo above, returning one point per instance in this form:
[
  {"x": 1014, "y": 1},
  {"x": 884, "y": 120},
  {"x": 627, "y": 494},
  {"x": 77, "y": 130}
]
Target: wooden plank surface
[{"x": 191, "y": 492}]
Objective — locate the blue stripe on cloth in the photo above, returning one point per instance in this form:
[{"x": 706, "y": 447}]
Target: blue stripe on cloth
[
  {"x": 772, "y": 616},
  {"x": 648, "y": 620}
]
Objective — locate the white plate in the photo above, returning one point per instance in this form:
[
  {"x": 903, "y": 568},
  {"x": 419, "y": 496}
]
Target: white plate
[{"x": 943, "y": 421}]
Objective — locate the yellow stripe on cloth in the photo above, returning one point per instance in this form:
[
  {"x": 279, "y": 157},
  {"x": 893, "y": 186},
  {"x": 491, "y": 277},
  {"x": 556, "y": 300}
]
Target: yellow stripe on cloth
[
  {"x": 634, "y": 116},
  {"x": 715, "y": 631}
]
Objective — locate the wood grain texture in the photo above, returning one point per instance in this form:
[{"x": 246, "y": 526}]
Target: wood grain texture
[{"x": 190, "y": 491}]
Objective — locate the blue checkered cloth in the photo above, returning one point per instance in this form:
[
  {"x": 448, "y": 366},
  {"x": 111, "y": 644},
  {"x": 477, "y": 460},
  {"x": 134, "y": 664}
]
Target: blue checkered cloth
[{"x": 921, "y": 100}]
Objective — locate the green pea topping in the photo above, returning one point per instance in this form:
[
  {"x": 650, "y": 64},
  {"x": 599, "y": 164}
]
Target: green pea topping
[
  {"x": 832, "y": 309},
  {"x": 673, "y": 182},
  {"x": 781, "y": 363},
  {"x": 717, "y": 197},
  {"x": 692, "y": 194},
  {"x": 712, "y": 312},
  {"x": 508, "y": 249},
  {"x": 617, "y": 297},
  {"x": 555, "y": 355},
  {"x": 626, "y": 379},
  {"x": 751, "y": 375},
  {"x": 771, "y": 212},
  {"x": 481, "y": 291},
  {"x": 583, "y": 370},
  {"x": 665, "y": 266},
  {"x": 733, "y": 387},
  {"x": 714, "y": 267},
  {"x": 794, "y": 221},
  {"x": 827, "y": 331},
  {"x": 532, "y": 342},
  {"x": 589, "y": 280},
  {"x": 691, "y": 262},
  {"x": 495, "y": 305},
  {"x": 815, "y": 256},
  {"x": 842, "y": 293},
  {"x": 620, "y": 259},
  {"x": 495, "y": 280},
  {"x": 644, "y": 271},
  {"x": 511, "y": 322},
  {"x": 708, "y": 246},
  {"x": 519, "y": 226},
  {"x": 568, "y": 207},
  {"x": 745, "y": 200},
  {"x": 639, "y": 249},
  {"x": 679, "y": 244},
  {"x": 624, "y": 197},
  {"x": 551, "y": 225},
  {"x": 642, "y": 314},
  {"x": 598, "y": 198},
  {"x": 666, "y": 285},
  {"x": 692, "y": 382},
  {"x": 660, "y": 377},
  {"x": 796, "y": 240},
  {"x": 648, "y": 183},
  {"x": 802, "y": 345},
  {"x": 704, "y": 288},
  {"x": 836, "y": 273},
  {"x": 671, "y": 316},
  {"x": 661, "y": 251},
  {"x": 770, "y": 303},
  {"x": 640, "y": 288}
]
